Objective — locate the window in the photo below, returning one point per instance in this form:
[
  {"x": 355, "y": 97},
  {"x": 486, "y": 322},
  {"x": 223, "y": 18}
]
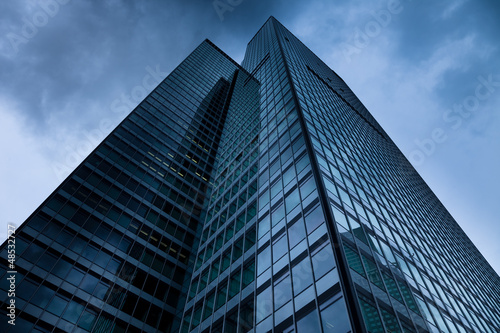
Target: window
[
  {"x": 263, "y": 306},
  {"x": 42, "y": 296},
  {"x": 234, "y": 284},
  {"x": 279, "y": 248},
  {"x": 33, "y": 252},
  {"x": 372, "y": 319},
  {"x": 249, "y": 239},
  {"x": 237, "y": 249},
  {"x": 308, "y": 187},
  {"x": 392, "y": 287},
  {"x": 73, "y": 312},
  {"x": 314, "y": 219},
  {"x": 372, "y": 272},
  {"x": 89, "y": 283},
  {"x": 334, "y": 318},
  {"x": 323, "y": 261},
  {"x": 296, "y": 233},
  {"x": 47, "y": 261},
  {"x": 302, "y": 276},
  {"x": 57, "y": 305},
  {"x": 309, "y": 324},
  {"x": 282, "y": 292},
  {"x": 353, "y": 260},
  {"x": 292, "y": 200},
  {"x": 209, "y": 306},
  {"x": 75, "y": 276},
  {"x": 214, "y": 272},
  {"x": 264, "y": 260},
  {"x": 229, "y": 231},
  {"x": 221, "y": 295},
  {"x": 87, "y": 320},
  {"x": 203, "y": 280},
  {"x": 226, "y": 261},
  {"x": 248, "y": 273}
]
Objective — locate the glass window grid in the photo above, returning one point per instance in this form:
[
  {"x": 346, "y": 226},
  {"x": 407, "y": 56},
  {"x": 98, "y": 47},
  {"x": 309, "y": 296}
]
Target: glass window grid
[
  {"x": 379, "y": 197},
  {"x": 386, "y": 202},
  {"x": 104, "y": 187}
]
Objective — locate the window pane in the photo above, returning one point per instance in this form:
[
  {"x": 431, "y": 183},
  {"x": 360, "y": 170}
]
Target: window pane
[
  {"x": 32, "y": 253},
  {"x": 292, "y": 200},
  {"x": 279, "y": 248},
  {"x": 26, "y": 289},
  {"x": 209, "y": 305},
  {"x": 323, "y": 261},
  {"x": 302, "y": 276},
  {"x": 372, "y": 272},
  {"x": 234, "y": 285},
  {"x": 87, "y": 320},
  {"x": 309, "y": 324},
  {"x": 392, "y": 287},
  {"x": 248, "y": 274},
  {"x": 390, "y": 321},
  {"x": 371, "y": 317},
  {"x": 264, "y": 306},
  {"x": 57, "y": 306},
  {"x": 264, "y": 260},
  {"x": 354, "y": 260},
  {"x": 296, "y": 233},
  {"x": 226, "y": 261},
  {"x": 42, "y": 296},
  {"x": 214, "y": 272},
  {"x": 335, "y": 319},
  {"x": 282, "y": 292},
  {"x": 89, "y": 283},
  {"x": 237, "y": 249},
  {"x": 314, "y": 219},
  {"x": 221, "y": 295}
]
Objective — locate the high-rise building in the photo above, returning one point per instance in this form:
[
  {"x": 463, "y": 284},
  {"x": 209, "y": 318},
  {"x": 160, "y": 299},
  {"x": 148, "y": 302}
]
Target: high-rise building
[{"x": 253, "y": 198}]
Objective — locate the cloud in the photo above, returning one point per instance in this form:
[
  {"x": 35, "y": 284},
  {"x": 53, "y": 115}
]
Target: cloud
[
  {"x": 25, "y": 172},
  {"x": 453, "y": 6}
]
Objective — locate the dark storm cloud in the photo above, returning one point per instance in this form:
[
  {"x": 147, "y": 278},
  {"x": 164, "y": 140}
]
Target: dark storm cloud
[
  {"x": 80, "y": 53},
  {"x": 426, "y": 26},
  {"x": 85, "y": 52}
]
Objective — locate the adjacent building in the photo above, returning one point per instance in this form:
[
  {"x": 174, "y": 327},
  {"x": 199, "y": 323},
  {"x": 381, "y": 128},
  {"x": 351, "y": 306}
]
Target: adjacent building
[{"x": 248, "y": 198}]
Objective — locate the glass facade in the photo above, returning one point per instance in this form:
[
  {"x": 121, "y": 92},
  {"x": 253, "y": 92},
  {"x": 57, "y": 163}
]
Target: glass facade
[
  {"x": 254, "y": 198},
  {"x": 113, "y": 248},
  {"x": 411, "y": 268}
]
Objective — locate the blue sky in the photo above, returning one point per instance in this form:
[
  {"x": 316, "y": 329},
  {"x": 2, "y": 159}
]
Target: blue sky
[{"x": 428, "y": 71}]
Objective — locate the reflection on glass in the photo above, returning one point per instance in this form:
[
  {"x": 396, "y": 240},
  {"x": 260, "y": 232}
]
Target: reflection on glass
[
  {"x": 264, "y": 304},
  {"x": 323, "y": 261},
  {"x": 302, "y": 275},
  {"x": 264, "y": 260},
  {"x": 296, "y": 233},
  {"x": 309, "y": 324},
  {"x": 282, "y": 292},
  {"x": 279, "y": 248},
  {"x": 335, "y": 319}
]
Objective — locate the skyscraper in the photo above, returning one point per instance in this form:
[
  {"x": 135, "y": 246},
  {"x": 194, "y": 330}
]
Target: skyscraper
[{"x": 261, "y": 196}]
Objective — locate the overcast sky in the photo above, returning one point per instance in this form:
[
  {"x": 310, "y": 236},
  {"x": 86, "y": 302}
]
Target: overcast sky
[{"x": 428, "y": 71}]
